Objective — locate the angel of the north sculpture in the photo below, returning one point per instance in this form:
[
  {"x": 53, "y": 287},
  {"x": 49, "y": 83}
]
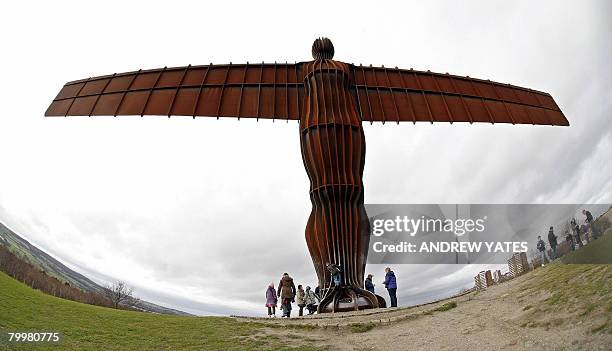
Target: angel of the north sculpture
[{"x": 331, "y": 100}]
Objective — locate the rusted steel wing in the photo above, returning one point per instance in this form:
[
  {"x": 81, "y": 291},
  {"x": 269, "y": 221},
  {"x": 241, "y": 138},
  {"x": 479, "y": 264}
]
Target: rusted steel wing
[
  {"x": 246, "y": 90},
  {"x": 276, "y": 91},
  {"x": 397, "y": 95}
]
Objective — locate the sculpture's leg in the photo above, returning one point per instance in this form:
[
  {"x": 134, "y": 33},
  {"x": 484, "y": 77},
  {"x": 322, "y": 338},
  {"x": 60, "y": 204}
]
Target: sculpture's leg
[{"x": 338, "y": 229}]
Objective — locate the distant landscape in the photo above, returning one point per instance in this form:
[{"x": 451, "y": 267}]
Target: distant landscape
[{"x": 54, "y": 268}]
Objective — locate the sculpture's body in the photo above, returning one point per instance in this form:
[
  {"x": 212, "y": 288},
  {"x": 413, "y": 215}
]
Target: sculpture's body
[
  {"x": 333, "y": 150},
  {"x": 331, "y": 100}
]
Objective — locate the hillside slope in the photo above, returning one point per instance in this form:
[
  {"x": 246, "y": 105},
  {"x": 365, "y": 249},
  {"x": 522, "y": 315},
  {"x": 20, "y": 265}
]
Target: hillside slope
[
  {"x": 55, "y": 268},
  {"x": 86, "y": 327},
  {"x": 566, "y": 307}
]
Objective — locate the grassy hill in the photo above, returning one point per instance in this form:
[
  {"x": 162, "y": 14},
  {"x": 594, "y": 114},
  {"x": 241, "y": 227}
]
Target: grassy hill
[
  {"x": 556, "y": 307},
  {"x": 86, "y": 327}
]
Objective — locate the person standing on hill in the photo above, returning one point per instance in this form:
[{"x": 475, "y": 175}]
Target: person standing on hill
[
  {"x": 576, "y": 229},
  {"x": 588, "y": 215},
  {"x": 368, "y": 284},
  {"x": 300, "y": 299},
  {"x": 271, "y": 300},
  {"x": 552, "y": 240},
  {"x": 541, "y": 246},
  {"x": 589, "y": 221},
  {"x": 286, "y": 292},
  {"x": 570, "y": 240},
  {"x": 391, "y": 285}
]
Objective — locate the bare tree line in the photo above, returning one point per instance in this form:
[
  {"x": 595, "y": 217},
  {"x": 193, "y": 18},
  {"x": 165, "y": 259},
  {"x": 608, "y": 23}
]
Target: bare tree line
[{"x": 116, "y": 295}]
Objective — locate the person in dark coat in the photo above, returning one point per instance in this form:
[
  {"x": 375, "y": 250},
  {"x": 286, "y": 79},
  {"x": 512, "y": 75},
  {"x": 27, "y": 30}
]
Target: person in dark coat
[
  {"x": 589, "y": 222},
  {"x": 576, "y": 229},
  {"x": 552, "y": 240},
  {"x": 271, "y": 300},
  {"x": 336, "y": 273},
  {"x": 588, "y": 215},
  {"x": 286, "y": 292},
  {"x": 368, "y": 284},
  {"x": 391, "y": 285},
  {"x": 541, "y": 246}
]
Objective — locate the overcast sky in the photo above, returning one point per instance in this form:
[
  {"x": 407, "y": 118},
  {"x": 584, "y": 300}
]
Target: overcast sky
[{"x": 202, "y": 214}]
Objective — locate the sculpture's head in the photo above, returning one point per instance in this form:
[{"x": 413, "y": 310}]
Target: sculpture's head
[{"x": 322, "y": 49}]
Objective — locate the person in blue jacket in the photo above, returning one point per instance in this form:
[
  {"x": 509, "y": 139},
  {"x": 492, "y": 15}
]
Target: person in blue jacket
[
  {"x": 368, "y": 284},
  {"x": 391, "y": 285}
]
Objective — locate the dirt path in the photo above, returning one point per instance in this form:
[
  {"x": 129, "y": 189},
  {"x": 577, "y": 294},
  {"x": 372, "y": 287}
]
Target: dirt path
[{"x": 510, "y": 316}]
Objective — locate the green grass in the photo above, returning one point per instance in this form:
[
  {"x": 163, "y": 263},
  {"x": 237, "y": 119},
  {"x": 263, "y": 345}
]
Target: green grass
[
  {"x": 583, "y": 288},
  {"x": 447, "y": 306},
  {"x": 86, "y": 327},
  {"x": 361, "y": 327},
  {"x": 598, "y": 251}
]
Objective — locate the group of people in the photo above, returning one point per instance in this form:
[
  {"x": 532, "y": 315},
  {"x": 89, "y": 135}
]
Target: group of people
[
  {"x": 288, "y": 294},
  {"x": 390, "y": 284},
  {"x": 573, "y": 238},
  {"x": 309, "y": 299}
]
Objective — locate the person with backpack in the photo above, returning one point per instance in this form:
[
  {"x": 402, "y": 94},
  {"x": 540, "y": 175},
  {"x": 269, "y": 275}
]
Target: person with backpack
[
  {"x": 552, "y": 240},
  {"x": 310, "y": 300},
  {"x": 391, "y": 285},
  {"x": 336, "y": 273},
  {"x": 286, "y": 292},
  {"x": 541, "y": 246}
]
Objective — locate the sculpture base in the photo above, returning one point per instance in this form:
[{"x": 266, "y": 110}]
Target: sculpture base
[{"x": 348, "y": 298}]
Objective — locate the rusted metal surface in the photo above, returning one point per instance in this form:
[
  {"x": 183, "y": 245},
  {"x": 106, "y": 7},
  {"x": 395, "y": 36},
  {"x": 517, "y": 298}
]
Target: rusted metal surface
[
  {"x": 277, "y": 91},
  {"x": 331, "y": 100},
  {"x": 396, "y": 95},
  {"x": 245, "y": 90}
]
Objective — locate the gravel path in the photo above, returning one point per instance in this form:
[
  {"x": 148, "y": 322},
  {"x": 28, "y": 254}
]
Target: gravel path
[{"x": 509, "y": 316}]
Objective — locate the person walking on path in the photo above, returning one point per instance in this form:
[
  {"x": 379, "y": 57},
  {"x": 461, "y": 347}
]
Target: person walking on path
[
  {"x": 391, "y": 285},
  {"x": 300, "y": 299},
  {"x": 310, "y": 298},
  {"x": 271, "y": 300},
  {"x": 286, "y": 292},
  {"x": 368, "y": 284},
  {"x": 552, "y": 240},
  {"x": 541, "y": 246}
]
